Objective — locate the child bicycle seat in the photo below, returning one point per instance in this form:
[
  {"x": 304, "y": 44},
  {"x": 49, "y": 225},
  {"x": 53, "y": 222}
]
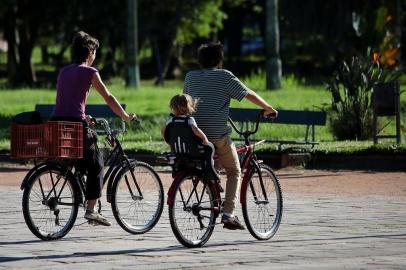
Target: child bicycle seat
[{"x": 188, "y": 147}]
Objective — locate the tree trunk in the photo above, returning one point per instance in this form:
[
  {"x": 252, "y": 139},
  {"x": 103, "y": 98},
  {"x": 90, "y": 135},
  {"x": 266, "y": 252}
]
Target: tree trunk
[
  {"x": 44, "y": 54},
  {"x": 25, "y": 48},
  {"x": 20, "y": 35},
  {"x": 163, "y": 47},
  {"x": 156, "y": 56},
  {"x": 233, "y": 29},
  {"x": 110, "y": 66},
  {"x": 163, "y": 50},
  {"x": 133, "y": 70},
  {"x": 12, "y": 52},
  {"x": 273, "y": 62},
  {"x": 59, "y": 56}
]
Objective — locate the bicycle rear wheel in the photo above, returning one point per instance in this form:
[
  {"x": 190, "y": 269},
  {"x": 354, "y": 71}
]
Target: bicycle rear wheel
[
  {"x": 192, "y": 215},
  {"x": 262, "y": 209},
  {"x": 137, "y": 202},
  {"x": 50, "y": 204}
]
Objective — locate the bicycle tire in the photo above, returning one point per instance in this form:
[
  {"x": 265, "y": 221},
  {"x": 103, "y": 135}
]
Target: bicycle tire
[
  {"x": 56, "y": 203},
  {"x": 178, "y": 209},
  {"x": 152, "y": 190},
  {"x": 262, "y": 214}
]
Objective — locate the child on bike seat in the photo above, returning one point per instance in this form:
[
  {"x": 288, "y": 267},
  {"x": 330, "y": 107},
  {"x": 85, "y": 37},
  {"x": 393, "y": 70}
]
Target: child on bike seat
[
  {"x": 185, "y": 137},
  {"x": 73, "y": 87}
]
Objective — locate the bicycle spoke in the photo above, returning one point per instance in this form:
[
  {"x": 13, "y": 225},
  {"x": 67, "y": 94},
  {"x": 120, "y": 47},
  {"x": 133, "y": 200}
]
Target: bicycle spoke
[{"x": 42, "y": 190}]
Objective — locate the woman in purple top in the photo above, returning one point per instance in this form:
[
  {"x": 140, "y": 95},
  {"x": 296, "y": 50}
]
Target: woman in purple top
[{"x": 73, "y": 87}]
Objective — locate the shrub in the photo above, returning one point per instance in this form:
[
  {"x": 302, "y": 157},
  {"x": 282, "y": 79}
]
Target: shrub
[{"x": 351, "y": 88}]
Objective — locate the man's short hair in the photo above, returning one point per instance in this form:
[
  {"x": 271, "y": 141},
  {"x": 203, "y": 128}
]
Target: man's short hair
[
  {"x": 83, "y": 45},
  {"x": 210, "y": 55}
]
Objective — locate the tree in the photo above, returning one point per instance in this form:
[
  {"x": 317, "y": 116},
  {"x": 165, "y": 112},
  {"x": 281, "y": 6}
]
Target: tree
[
  {"x": 133, "y": 72},
  {"x": 239, "y": 13},
  {"x": 21, "y": 22},
  {"x": 273, "y": 62},
  {"x": 167, "y": 21}
]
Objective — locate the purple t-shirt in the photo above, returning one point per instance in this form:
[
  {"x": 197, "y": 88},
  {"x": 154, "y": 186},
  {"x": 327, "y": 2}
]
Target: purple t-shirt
[{"x": 73, "y": 87}]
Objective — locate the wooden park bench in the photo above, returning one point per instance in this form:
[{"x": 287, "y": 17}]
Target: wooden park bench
[
  {"x": 95, "y": 110},
  {"x": 293, "y": 117}
]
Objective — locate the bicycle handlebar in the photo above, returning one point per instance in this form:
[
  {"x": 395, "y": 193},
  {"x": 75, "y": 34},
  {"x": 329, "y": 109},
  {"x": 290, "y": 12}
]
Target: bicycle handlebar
[
  {"x": 106, "y": 127},
  {"x": 247, "y": 133}
]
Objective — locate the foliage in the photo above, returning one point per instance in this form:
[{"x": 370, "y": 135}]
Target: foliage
[
  {"x": 338, "y": 148},
  {"x": 342, "y": 148},
  {"x": 351, "y": 88},
  {"x": 204, "y": 19},
  {"x": 151, "y": 105}
]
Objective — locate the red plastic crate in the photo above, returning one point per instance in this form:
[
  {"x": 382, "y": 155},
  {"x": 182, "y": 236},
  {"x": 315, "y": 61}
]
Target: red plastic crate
[
  {"x": 57, "y": 139},
  {"x": 66, "y": 139}
]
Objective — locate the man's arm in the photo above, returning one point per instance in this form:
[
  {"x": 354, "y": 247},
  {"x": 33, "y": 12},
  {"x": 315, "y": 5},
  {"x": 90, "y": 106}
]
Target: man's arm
[
  {"x": 110, "y": 99},
  {"x": 259, "y": 101}
]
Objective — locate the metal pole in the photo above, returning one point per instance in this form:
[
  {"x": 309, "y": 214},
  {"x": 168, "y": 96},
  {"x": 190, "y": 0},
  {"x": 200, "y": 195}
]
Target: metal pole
[{"x": 133, "y": 70}]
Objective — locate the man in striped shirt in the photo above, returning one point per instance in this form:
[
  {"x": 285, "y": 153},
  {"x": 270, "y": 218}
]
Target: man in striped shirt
[{"x": 214, "y": 87}]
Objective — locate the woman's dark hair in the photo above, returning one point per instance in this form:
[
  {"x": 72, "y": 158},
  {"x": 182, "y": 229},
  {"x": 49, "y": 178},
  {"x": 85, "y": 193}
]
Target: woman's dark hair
[
  {"x": 210, "y": 55},
  {"x": 83, "y": 44}
]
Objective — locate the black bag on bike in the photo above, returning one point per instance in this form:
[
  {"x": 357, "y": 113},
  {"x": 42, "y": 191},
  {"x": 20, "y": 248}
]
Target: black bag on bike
[{"x": 27, "y": 118}]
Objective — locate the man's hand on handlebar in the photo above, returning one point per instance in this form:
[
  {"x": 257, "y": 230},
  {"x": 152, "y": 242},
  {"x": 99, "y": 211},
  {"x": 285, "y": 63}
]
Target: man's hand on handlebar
[{"x": 270, "y": 112}]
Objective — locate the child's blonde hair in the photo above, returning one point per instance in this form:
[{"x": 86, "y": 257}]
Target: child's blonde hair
[{"x": 183, "y": 104}]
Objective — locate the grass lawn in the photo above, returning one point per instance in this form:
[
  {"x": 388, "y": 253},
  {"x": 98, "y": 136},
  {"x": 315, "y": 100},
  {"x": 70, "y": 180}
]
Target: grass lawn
[{"x": 150, "y": 103}]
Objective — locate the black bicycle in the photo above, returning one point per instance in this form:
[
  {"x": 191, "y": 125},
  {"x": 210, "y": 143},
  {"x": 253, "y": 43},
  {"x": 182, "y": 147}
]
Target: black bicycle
[{"x": 53, "y": 192}]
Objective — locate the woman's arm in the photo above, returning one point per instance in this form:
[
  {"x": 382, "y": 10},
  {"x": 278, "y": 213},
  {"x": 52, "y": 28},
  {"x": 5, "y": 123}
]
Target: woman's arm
[
  {"x": 259, "y": 101},
  {"x": 110, "y": 99}
]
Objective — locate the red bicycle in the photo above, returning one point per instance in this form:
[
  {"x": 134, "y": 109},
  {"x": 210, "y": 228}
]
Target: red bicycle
[{"x": 195, "y": 202}]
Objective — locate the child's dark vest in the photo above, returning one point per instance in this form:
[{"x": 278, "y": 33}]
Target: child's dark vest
[{"x": 179, "y": 135}]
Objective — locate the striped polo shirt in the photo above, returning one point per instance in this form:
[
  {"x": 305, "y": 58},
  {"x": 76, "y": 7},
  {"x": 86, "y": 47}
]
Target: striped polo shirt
[{"x": 214, "y": 88}]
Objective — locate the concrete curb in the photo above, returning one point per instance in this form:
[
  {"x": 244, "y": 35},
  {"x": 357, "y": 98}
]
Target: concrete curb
[{"x": 373, "y": 162}]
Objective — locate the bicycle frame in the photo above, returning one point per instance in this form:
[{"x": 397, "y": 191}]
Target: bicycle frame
[
  {"x": 119, "y": 162},
  {"x": 248, "y": 166}
]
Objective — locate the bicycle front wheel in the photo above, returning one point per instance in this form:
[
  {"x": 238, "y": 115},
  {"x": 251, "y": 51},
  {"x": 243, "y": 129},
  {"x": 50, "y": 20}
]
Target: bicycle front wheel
[
  {"x": 192, "y": 215},
  {"x": 137, "y": 198},
  {"x": 262, "y": 209},
  {"x": 50, "y": 204}
]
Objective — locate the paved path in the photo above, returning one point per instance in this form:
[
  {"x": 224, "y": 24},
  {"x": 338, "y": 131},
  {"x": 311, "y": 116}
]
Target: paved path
[{"x": 319, "y": 230}]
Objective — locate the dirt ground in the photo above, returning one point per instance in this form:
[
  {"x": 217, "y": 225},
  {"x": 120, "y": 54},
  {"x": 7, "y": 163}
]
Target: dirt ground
[{"x": 293, "y": 180}]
